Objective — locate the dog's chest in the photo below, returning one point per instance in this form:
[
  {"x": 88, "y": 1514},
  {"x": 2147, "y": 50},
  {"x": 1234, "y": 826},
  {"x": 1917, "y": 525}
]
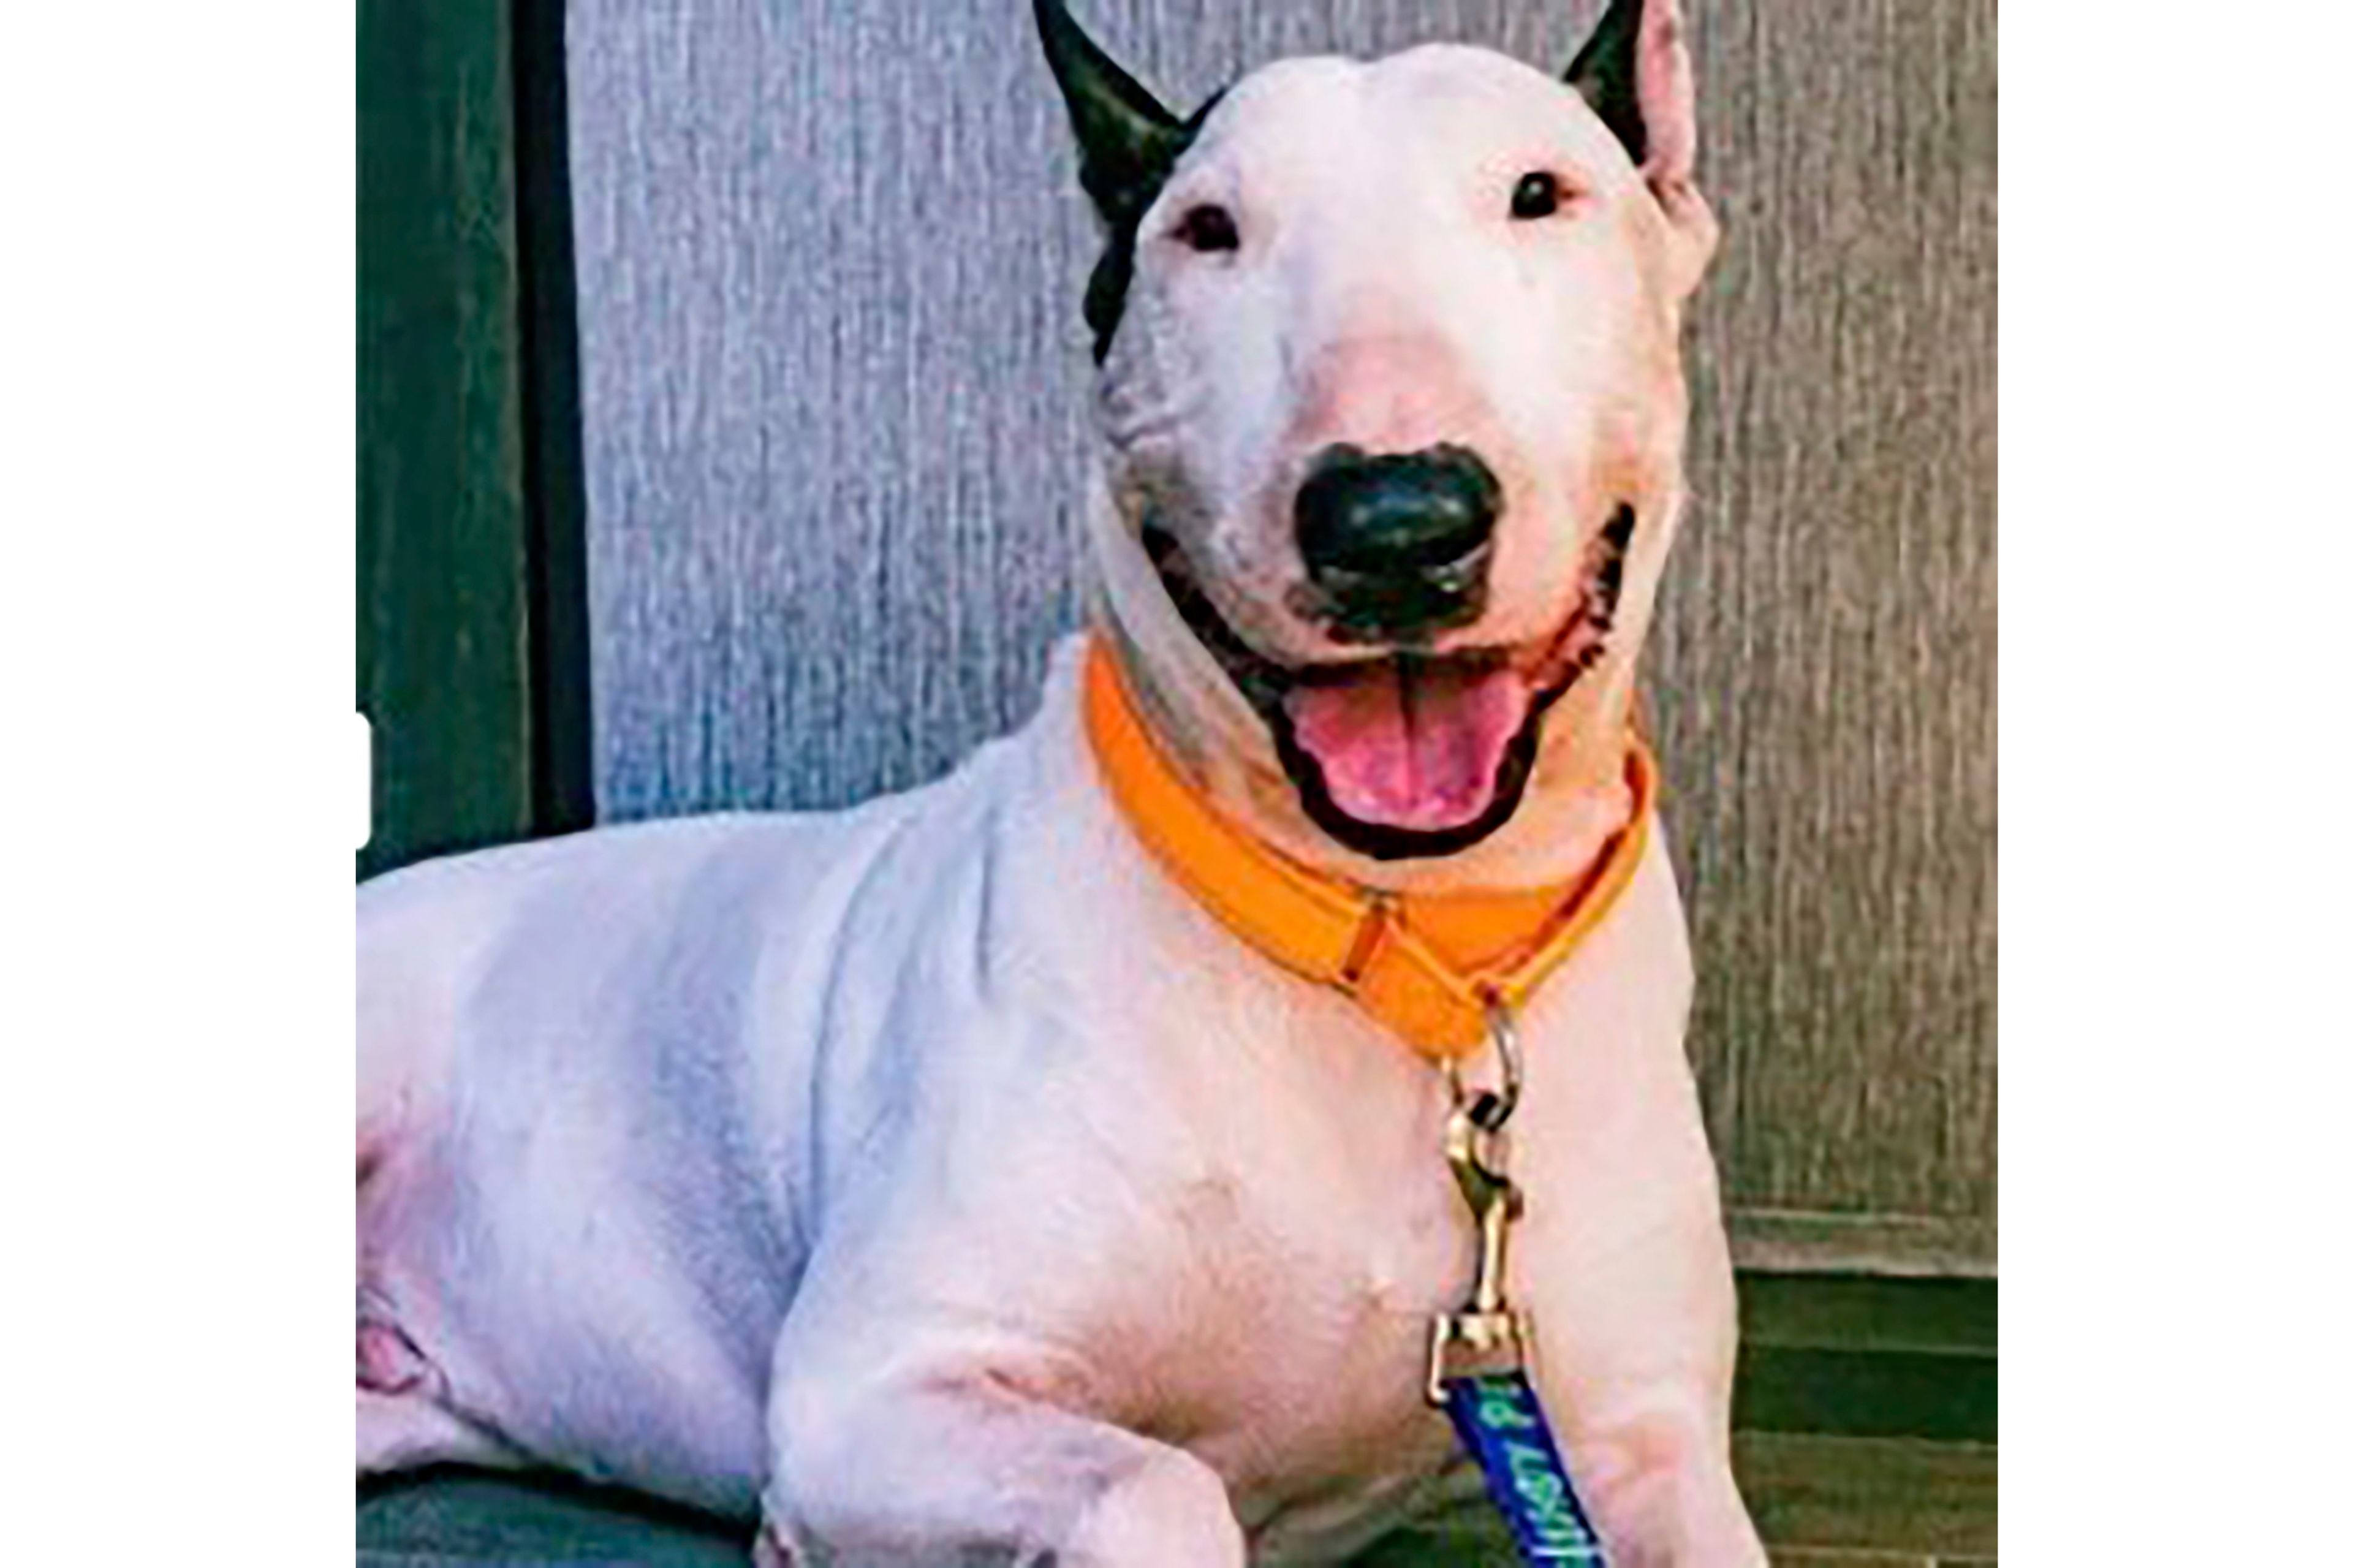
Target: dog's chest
[
  {"x": 1289, "y": 1343},
  {"x": 1325, "y": 1434}
]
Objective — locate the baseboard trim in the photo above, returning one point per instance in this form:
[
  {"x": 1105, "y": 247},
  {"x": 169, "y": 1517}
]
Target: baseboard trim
[{"x": 1802, "y": 1241}]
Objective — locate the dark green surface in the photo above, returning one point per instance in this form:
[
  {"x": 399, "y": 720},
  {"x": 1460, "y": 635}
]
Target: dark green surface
[
  {"x": 1864, "y": 1311},
  {"x": 468, "y": 1516},
  {"x": 1867, "y": 1394},
  {"x": 1868, "y": 1357}
]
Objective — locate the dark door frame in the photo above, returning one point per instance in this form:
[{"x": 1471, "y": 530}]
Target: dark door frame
[{"x": 473, "y": 644}]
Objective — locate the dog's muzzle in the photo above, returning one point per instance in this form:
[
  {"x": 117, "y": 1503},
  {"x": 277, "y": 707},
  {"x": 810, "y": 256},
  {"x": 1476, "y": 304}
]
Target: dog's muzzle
[{"x": 1397, "y": 545}]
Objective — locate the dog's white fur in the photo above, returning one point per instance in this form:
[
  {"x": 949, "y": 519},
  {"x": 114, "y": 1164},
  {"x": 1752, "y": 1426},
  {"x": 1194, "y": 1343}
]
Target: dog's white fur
[{"x": 936, "y": 1177}]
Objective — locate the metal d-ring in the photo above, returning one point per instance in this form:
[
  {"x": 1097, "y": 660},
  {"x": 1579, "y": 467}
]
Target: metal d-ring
[{"x": 1489, "y": 1109}]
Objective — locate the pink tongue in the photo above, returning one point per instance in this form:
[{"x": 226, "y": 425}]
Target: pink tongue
[{"x": 1414, "y": 747}]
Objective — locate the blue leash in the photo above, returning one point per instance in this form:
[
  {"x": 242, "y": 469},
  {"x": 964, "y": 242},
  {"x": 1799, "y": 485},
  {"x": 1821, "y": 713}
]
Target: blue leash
[{"x": 1503, "y": 1427}]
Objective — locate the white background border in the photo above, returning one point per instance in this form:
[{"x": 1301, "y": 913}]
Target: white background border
[
  {"x": 2176, "y": 604},
  {"x": 176, "y": 631},
  {"x": 176, "y": 491}
]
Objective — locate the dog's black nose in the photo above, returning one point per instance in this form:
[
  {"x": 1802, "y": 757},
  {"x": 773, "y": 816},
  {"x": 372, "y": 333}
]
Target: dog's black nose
[{"x": 1397, "y": 545}]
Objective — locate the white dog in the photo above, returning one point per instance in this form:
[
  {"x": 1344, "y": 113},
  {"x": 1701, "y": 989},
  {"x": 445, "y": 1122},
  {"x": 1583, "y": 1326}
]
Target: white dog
[{"x": 1046, "y": 1166}]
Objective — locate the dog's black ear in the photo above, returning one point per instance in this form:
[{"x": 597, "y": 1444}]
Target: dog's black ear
[
  {"x": 1603, "y": 74},
  {"x": 1127, "y": 141},
  {"x": 1636, "y": 72}
]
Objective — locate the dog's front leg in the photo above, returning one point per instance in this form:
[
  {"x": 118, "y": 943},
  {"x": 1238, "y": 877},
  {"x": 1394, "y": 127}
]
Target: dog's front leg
[
  {"x": 1644, "y": 1395},
  {"x": 1660, "y": 1488},
  {"x": 954, "y": 1464}
]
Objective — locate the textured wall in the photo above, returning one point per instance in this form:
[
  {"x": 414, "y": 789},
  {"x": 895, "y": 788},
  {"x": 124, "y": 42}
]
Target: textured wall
[{"x": 830, "y": 259}]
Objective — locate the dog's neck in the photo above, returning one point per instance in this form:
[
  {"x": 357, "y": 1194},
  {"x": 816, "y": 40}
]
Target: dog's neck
[
  {"x": 1429, "y": 967},
  {"x": 1578, "y": 804}
]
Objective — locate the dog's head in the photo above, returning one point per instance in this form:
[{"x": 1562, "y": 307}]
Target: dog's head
[{"x": 1391, "y": 382}]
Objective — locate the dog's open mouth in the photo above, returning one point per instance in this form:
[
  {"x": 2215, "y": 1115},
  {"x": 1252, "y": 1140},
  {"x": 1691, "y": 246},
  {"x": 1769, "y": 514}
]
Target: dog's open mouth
[{"x": 1410, "y": 755}]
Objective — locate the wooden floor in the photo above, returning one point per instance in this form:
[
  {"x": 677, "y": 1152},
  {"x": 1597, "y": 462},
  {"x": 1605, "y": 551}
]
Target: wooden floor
[{"x": 1869, "y": 1502}]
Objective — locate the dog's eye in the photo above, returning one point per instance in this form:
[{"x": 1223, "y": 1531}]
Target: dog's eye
[
  {"x": 1537, "y": 196},
  {"x": 1207, "y": 228}
]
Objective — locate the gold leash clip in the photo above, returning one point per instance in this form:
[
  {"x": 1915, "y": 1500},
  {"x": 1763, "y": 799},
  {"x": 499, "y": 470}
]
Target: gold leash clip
[{"x": 1485, "y": 1325}]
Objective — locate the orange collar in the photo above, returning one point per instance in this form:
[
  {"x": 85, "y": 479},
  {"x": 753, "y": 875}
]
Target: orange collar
[{"x": 1423, "y": 965}]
